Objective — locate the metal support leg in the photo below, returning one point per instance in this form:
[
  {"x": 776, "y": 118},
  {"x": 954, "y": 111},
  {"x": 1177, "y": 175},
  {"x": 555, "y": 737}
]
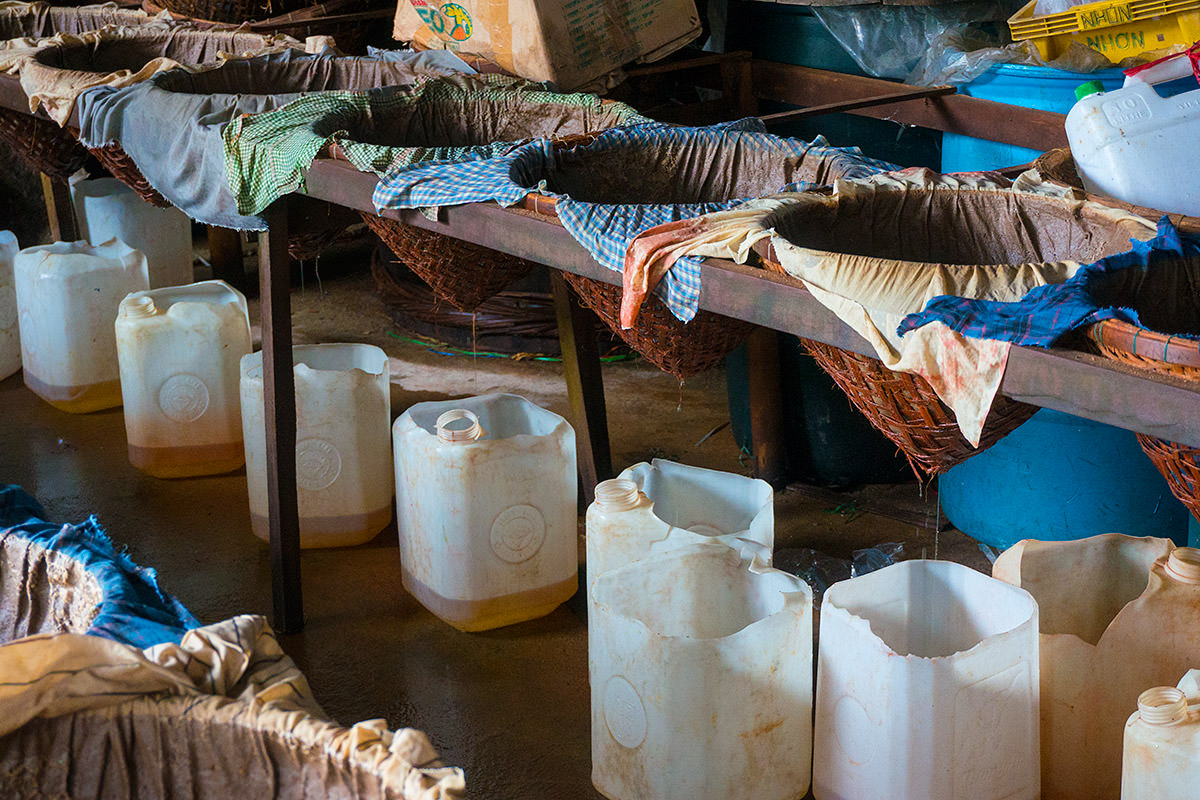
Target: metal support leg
[
  {"x": 585, "y": 387},
  {"x": 766, "y": 406},
  {"x": 59, "y": 211},
  {"x": 279, "y": 390}
]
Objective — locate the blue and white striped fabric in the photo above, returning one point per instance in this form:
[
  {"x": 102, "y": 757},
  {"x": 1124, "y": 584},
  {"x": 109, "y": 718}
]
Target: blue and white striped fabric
[{"x": 605, "y": 230}]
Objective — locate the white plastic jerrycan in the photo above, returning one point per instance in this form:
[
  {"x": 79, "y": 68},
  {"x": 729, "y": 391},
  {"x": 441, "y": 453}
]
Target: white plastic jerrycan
[
  {"x": 1118, "y": 614},
  {"x": 67, "y": 299},
  {"x": 105, "y": 209},
  {"x": 179, "y": 350},
  {"x": 10, "y": 337},
  {"x": 700, "y": 663},
  {"x": 486, "y": 509},
  {"x": 1161, "y": 759},
  {"x": 927, "y": 687},
  {"x": 664, "y": 504},
  {"x": 1137, "y": 146},
  {"x": 343, "y": 452}
]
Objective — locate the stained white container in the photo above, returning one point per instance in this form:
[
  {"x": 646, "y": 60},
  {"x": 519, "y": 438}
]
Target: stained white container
[
  {"x": 1118, "y": 614},
  {"x": 663, "y": 504},
  {"x": 927, "y": 687},
  {"x": 106, "y": 209},
  {"x": 343, "y": 451},
  {"x": 700, "y": 662},
  {"x": 1126, "y": 141},
  {"x": 179, "y": 350},
  {"x": 486, "y": 509},
  {"x": 67, "y": 299},
  {"x": 1161, "y": 759},
  {"x": 10, "y": 337}
]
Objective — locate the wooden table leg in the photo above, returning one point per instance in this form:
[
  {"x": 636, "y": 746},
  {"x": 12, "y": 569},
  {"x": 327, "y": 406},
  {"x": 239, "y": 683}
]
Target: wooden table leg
[
  {"x": 766, "y": 406},
  {"x": 225, "y": 255},
  {"x": 59, "y": 210},
  {"x": 585, "y": 387},
  {"x": 279, "y": 390}
]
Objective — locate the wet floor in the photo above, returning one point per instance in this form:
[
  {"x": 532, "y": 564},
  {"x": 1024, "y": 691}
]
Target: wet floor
[{"x": 509, "y": 706}]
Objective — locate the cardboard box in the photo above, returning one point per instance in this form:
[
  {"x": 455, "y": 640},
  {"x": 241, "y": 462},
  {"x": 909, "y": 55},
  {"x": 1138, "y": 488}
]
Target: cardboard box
[{"x": 570, "y": 42}]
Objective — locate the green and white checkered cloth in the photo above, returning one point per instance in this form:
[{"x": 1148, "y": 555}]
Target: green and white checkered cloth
[{"x": 268, "y": 155}]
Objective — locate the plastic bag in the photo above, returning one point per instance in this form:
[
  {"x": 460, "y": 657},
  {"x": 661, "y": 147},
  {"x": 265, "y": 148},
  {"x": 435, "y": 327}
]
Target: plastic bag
[{"x": 820, "y": 571}]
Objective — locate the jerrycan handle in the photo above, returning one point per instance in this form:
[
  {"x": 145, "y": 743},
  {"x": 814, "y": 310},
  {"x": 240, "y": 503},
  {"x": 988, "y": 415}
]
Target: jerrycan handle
[
  {"x": 459, "y": 435},
  {"x": 1167, "y": 68}
]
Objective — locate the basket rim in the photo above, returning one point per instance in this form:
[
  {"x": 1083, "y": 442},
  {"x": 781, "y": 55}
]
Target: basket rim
[{"x": 1125, "y": 337}]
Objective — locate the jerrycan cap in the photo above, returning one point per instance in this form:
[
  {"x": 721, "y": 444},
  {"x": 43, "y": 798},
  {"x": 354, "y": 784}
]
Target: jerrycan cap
[{"x": 1088, "y": 89}]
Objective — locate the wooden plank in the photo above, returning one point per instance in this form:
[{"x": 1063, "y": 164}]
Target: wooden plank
[
  {"x": 585, "y": 388},
  {"x": 1143, "y": 402},
  {"x": 60, "y": 211},
  {"x": 956, "y": 113},
  {"x": 766, "y": 407},
  {"x": 225, "y": 255},
  {"x": 279, "y": 390},
  {"x": 716, "y": 59},
  {"x": 846, "y": 106}
]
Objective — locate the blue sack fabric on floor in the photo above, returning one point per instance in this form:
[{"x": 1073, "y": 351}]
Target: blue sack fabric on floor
[{"x": 130, "y": 608}]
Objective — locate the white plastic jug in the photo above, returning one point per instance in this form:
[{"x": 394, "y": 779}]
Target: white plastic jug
[
  {"x": 10, "y": 336},
  {"x": 927, "y": 687},
  {"x": 651, "y": 505},
  {"x": 343, "y": 452},
  {"x": 700, "y": 663},
  {"x": 486, "y": 509},
  {"x": 1136, "y": 146},
  {"x": 1118, "y": 614},
  {"x": 179, "y": 350},
  {"x": 106, "y": 209},
  {"x": 67, "y": 299},
  {"x": 1161, "y": 759}
]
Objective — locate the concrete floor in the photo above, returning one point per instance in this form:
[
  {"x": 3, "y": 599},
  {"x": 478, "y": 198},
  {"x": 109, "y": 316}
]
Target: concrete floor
[{"x": 509, "y": 706}]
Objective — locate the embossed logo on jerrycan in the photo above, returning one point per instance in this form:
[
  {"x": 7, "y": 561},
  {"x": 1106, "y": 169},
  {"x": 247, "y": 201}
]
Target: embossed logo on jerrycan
[{"x": 485, "y": 505}]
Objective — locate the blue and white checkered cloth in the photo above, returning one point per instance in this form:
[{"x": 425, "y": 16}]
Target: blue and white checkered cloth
[
  {"x": 607, "y": 229},
  {"x": 1161, "y": 277}
]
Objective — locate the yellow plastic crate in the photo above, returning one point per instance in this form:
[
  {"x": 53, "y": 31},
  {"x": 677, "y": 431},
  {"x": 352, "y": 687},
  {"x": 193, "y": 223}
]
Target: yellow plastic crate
[{"x": 1117, "y": 28}]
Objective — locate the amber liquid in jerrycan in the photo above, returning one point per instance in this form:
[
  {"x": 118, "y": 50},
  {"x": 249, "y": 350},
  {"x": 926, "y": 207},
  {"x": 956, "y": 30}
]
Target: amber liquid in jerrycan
[
  {"x": 67, "y": 298},
  {"x": 486, "y": 509},
  {"x": 343, "y": 452},
  {"x": 179, "y": 349}
]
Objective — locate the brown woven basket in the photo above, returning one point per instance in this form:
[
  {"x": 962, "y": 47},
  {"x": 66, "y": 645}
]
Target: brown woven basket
[
  {"x": 1058, "y": 167},
  {"x": 1166, "y": 355},
  {"x": 42, "y": 144},
  {"x": 904, "y": 407},
  {"x": 118, "y": 162},
  {"x": 462, "y": 273},
  {"x": 681, "y": 349}
]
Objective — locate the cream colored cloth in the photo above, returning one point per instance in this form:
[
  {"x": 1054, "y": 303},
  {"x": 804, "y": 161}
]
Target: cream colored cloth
[
  {"x": 872, "y": 294},
  {"x": 233, "y": 673},
  {"x": 56, "y": 89}
]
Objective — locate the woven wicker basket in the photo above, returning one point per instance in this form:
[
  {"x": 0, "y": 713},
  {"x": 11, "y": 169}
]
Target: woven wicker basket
[
  {"x": 904, "y": 407},
  {"x": 1166, "y": 355},
  {"x": 118, "y": 162},
  {"x": 681, "y": 349},
  {"x": 460, "y": 272},
  {"x": 42, "y": 144},
  {"x": 1058, "y": 167}
]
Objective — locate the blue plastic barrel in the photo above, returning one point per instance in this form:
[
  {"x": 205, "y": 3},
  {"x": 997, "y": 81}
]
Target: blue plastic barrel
[
  {"x": 1193, "y": 532},
  {"x": 1061, "y": 477},
  {"x": 1018, "y": 85}
]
